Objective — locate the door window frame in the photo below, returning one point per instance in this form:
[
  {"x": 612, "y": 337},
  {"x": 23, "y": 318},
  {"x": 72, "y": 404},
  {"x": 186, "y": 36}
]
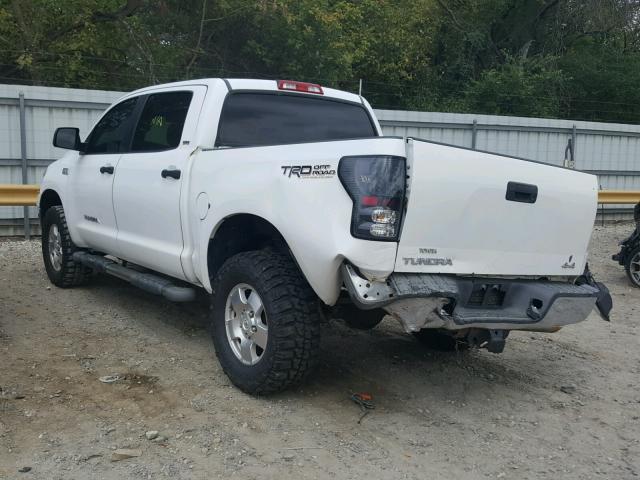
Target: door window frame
[
  {"x": 141, "y": 101},
  {"x": 139, "y": 116},
  {"x": 135, "y": 115}
]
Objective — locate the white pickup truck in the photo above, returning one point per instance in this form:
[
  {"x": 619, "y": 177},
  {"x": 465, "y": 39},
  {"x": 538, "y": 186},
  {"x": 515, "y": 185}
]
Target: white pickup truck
[{"x": 286, "y": 203}]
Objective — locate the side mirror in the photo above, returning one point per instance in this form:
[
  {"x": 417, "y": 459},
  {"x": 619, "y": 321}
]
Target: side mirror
[{"x": 68, "y": 138}]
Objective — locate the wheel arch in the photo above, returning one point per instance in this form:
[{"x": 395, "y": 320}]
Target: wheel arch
[
  {"x": 242, "y": 232},
  {"x": 48, "y": 198}
]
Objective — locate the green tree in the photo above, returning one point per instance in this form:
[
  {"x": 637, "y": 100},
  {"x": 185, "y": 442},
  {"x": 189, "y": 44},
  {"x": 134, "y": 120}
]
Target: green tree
[
  {"x": 522, "y": 87},
  {"x": 564, "y": 58}
]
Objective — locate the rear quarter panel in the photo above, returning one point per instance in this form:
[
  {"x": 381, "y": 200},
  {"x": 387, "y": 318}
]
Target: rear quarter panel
[{"x": 312, "y": 214}]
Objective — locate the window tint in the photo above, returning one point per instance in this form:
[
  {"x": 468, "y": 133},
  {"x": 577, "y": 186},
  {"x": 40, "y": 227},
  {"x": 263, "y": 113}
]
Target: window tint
[
  {"x": 112, "y": 133},
  {"x": 254, "y": 119},
  {"x": 161, "y": 122}
]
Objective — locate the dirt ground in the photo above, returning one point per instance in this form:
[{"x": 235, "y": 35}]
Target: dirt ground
[{"x": 564, "y": 405}]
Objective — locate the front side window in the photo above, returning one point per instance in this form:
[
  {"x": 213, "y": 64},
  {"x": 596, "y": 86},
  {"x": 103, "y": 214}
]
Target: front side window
[
  {"x": 161, "y": 122},
  {"x": 112, "y": 133},
  {"x": 252, "y": 119}
]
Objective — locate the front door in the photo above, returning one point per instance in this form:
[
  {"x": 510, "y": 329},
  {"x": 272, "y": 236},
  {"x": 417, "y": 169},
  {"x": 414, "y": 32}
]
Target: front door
[
  {"x": 90, "y": 210},
  {"x": 147, "y": 186}
]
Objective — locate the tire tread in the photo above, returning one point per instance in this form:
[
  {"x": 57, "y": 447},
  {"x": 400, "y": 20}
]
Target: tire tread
[
  {"x": 73, "y": 274},
  {"x": 296, "y": 313},
  {"x": 627, "y": 265}
]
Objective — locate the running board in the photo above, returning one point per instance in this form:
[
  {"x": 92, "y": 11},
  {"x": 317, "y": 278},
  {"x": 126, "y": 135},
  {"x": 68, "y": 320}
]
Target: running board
[{"x": 148, "y": 282}]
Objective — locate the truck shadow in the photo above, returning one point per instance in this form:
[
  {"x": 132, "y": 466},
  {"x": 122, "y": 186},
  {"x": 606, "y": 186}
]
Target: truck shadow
[
  {"x": 402, "y": 374},
  {"x": 396, "y": 369},
  {"x": 187, "y": 317}
]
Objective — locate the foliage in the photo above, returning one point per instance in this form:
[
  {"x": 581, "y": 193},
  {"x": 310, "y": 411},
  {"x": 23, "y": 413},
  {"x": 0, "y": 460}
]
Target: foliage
[
  {"x": 561, "y": 58},
  {"x": 527, "y": 87}
]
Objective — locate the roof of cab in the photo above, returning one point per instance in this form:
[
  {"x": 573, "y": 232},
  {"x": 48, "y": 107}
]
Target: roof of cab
[{"x": 250, "y": 84}]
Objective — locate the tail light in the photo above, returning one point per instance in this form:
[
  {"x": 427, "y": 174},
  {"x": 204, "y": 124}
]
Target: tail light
[
  {"x": 376, "y": 184},
  {"x": 300, "y": 86}
]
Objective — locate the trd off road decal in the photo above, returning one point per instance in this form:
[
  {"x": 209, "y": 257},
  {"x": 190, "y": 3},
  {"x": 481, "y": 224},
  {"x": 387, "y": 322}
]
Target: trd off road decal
[{"x": 308, "y": 171}]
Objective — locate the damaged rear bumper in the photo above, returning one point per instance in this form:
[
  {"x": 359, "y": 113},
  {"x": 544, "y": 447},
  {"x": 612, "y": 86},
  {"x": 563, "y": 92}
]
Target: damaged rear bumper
[{"x": 455, "y": 303}]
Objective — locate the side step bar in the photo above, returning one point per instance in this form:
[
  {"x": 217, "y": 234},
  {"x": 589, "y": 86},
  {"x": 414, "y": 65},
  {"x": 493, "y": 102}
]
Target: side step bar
[{"x": 146, "y": 281}]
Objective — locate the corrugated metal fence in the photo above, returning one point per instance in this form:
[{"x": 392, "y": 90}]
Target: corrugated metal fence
[
  {"x": 29, "y": 116},
  {"x": 609, "y": 150}
]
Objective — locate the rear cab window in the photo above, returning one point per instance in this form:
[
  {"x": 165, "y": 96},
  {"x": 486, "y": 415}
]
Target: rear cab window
[{"x": 252, "y": 119}]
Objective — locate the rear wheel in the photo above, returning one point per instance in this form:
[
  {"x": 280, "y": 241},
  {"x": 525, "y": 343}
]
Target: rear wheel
[
  {"x": 57, "y": 251},
  {"x": 443, "y": 342},
  {"x": 265, "y": 322},
  {"x": 632, "y": 266}
]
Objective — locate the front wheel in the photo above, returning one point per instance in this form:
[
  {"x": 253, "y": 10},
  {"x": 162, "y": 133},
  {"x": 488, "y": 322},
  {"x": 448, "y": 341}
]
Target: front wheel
[
  {"x": 57, "y": 251},
  {"x": 632, "y": 266},
  {"x": 265, "y": 322}
]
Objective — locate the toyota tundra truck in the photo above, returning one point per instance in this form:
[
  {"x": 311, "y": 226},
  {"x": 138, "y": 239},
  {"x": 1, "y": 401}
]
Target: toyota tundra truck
[{"x": 284, "y": 201}]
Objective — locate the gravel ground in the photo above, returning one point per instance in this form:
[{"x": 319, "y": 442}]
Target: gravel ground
[{"x": 563, "y": 405}]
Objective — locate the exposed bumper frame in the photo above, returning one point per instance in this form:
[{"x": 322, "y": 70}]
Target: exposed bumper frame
[{"x": 440, "y": 301}]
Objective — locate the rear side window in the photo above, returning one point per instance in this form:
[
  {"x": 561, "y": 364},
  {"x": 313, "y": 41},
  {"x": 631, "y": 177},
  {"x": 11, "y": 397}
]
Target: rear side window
[
  {"x": 113, "y": 131},
  {"x": 161, "y": 122},
  {"x": 256, "y": 119}
]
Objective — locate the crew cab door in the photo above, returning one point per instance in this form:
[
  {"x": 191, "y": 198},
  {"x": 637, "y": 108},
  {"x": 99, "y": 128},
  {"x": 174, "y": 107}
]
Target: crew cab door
[
  {"x": 150, "y": 177},
  {"x": 90, "y": 212}
]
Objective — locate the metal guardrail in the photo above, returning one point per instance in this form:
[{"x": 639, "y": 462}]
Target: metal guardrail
[
  {"x": 18, "y": 195},
  {"x": 27, "y": 195},
  {"x": 629, "y": 197}
]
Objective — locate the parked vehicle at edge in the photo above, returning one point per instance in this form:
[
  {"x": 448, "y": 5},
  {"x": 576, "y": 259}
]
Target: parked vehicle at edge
[
  {"x": 629, "y": 254},
  {"x": 284, "y": 201}
]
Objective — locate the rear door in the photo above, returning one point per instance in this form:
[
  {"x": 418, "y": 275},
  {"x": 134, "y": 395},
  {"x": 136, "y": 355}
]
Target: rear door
[
  {"x": 471, "y": 212},
  {"x": 150, "y": 177}
]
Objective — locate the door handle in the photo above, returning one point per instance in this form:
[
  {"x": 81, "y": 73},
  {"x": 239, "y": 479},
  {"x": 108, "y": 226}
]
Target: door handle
[
  {"x": 170, "y": 173},
  {"x": 107, "y": 169},
  {"x": 521, "y": 192}
]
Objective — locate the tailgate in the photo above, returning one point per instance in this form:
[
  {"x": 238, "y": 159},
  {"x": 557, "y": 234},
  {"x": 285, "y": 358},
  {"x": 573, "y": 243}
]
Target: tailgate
[{"x": 459, "y": 219}]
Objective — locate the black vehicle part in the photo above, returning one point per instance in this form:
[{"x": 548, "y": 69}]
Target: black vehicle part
[
  {"x": 376, "y": 184},
  {"x": 292, "y": 317},
  {"x": 175, "y": 174},
  {"x": 521, "y": 192},
  {"x": 492, "y": 340},
  {"x": 441, "y": 341},
  {"x": 356, "y": 318},
  {"x": 626, "y": 246},
  {"x": 148, "y": 282},
  {"x": 629, "y": 254},
  {"x": 632, "y": 265},
  {"x": 70, "y": 273},
  {"x": 604, "y": 302},
  {"x": 630, "y": 243}
]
